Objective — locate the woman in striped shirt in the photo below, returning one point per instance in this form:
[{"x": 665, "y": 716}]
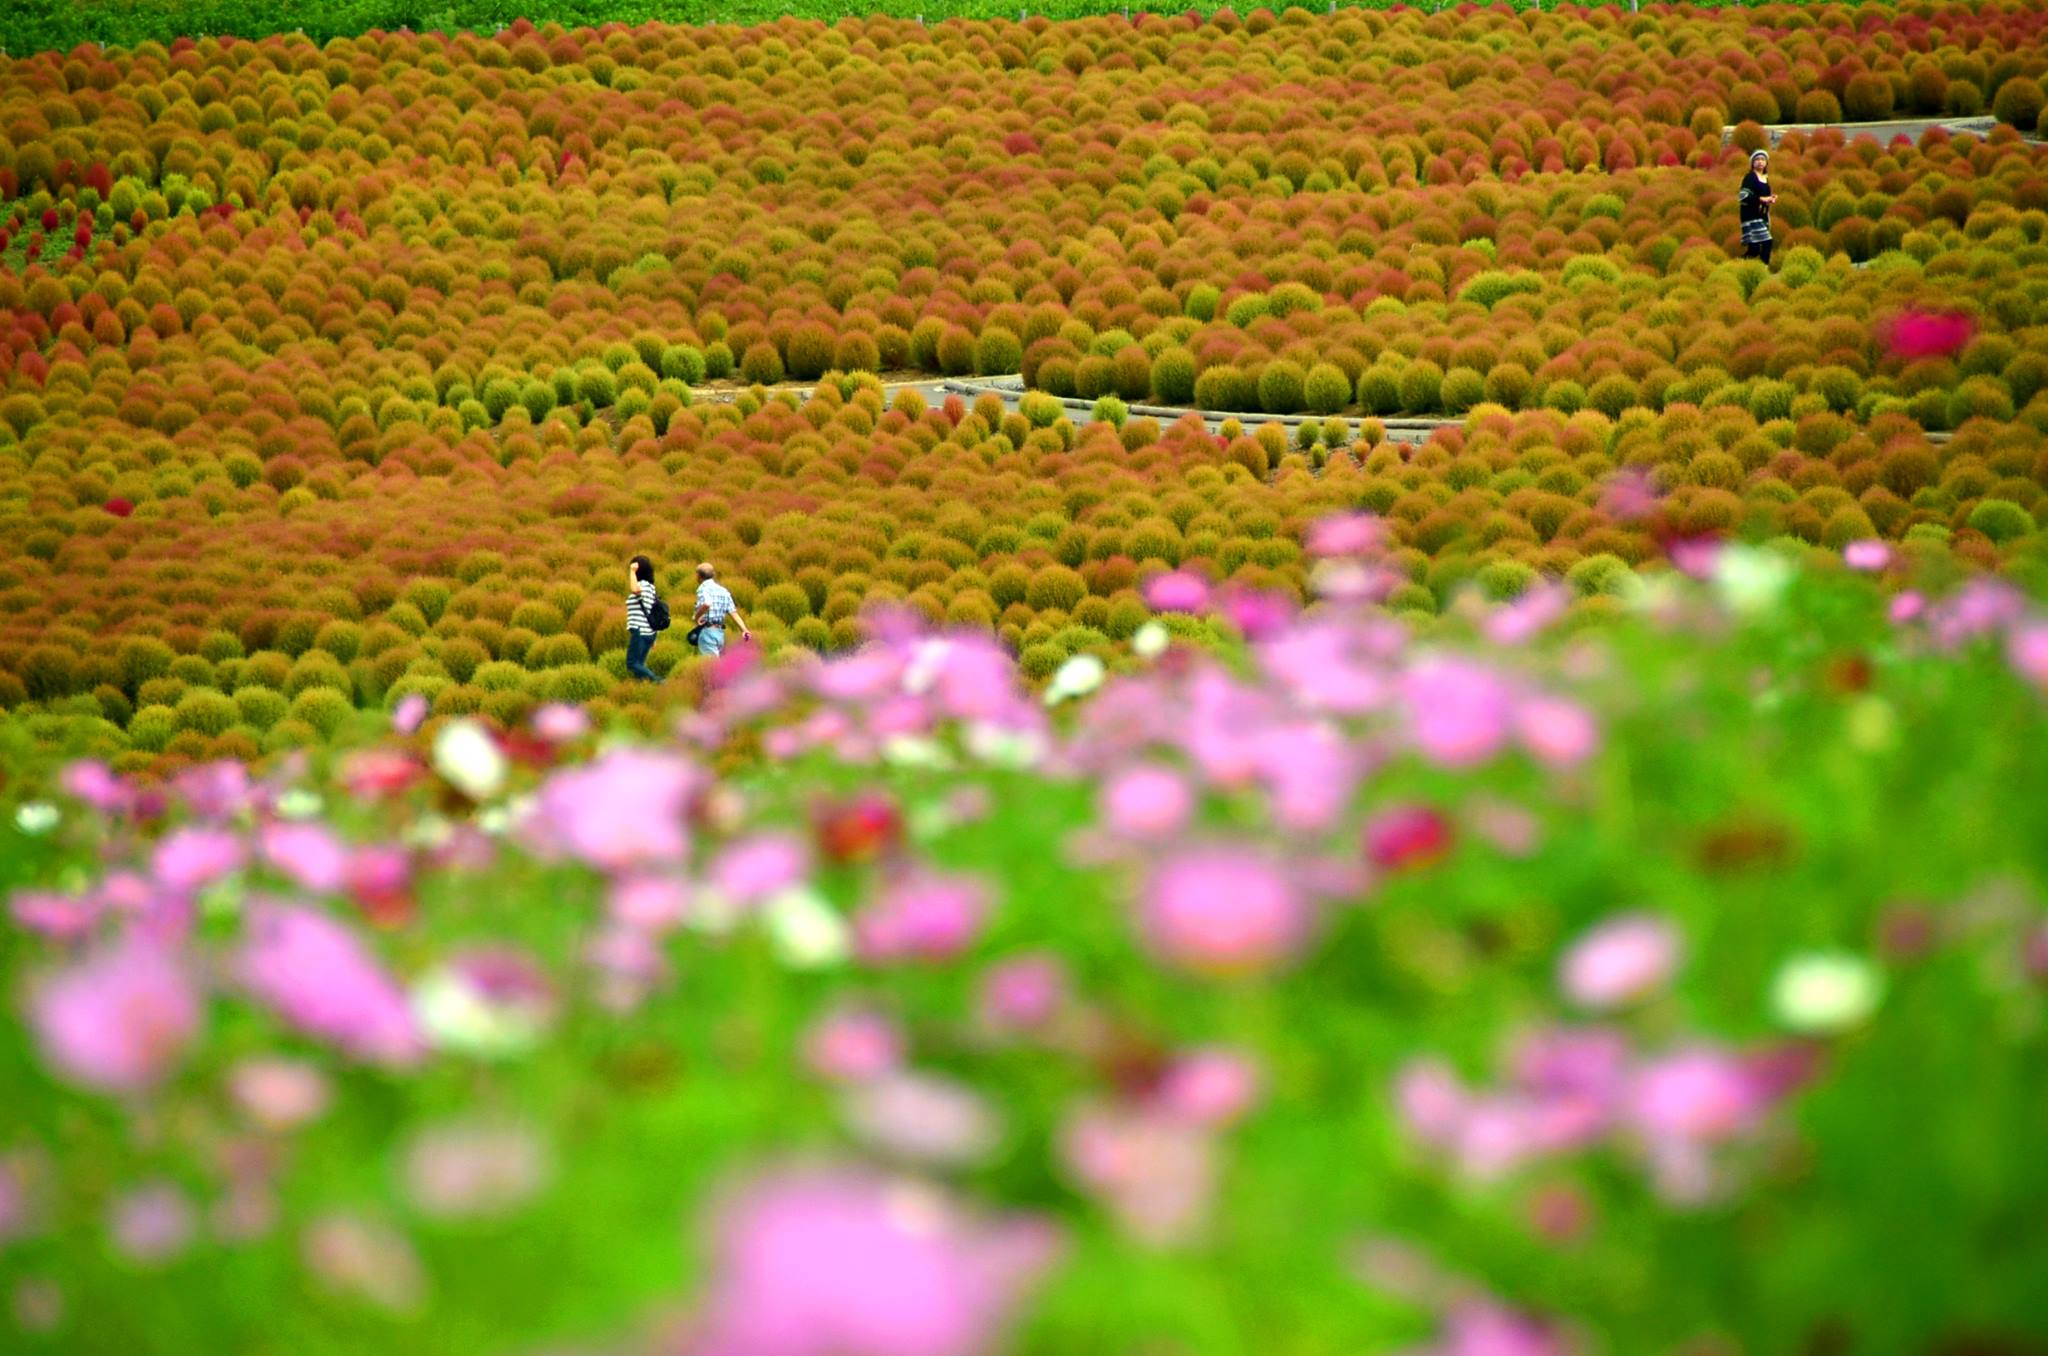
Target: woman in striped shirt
[{"x": 639, "y": 630}]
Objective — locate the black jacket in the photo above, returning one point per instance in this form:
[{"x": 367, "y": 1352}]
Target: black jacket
[{"x": 1754, "y": 191}]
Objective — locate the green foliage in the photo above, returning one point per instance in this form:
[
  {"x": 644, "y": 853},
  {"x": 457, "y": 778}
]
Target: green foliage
[{"x": 2001, "y": 520}]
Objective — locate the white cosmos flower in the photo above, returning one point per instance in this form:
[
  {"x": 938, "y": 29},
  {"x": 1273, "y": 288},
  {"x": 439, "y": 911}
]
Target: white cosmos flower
[
  {"x": 1749, "y": 580},
  {"x": 470, "y": 759},
  {"x": 1825, "y": 991},
  {"x": 1077, "y": 677},
  {"x": 298, "y": 803},
  {"x": 36, "y": 818},
  {"x": 808, "y": 933},
  {"x": 1150, "y": 640}
]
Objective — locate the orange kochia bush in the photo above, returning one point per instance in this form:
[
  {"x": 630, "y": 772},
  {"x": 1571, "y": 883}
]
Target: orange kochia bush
[{"x": 389, "y": 351}]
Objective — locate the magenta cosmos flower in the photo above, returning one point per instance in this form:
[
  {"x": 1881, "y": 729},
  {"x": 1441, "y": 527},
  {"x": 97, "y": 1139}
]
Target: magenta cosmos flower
[
  {"x": 625, "y": 809},
  {"x": 1459, "y": 714},
  {"x": 923, "y": 917},
  {"x": 1224, "y": 910},
  {"x": 1146, "y": 802},
  {"x": 1177, "y": 591},
  {"x": 1620, "y": 961},
  {"x": 314, "y": 973},
  {"x": 835, "y": 1262},
  {"x": 120, "y": 1019}
]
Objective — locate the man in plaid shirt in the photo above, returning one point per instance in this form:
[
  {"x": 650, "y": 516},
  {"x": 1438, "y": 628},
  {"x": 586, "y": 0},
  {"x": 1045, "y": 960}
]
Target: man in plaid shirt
[{"x": 714, "y": 605}]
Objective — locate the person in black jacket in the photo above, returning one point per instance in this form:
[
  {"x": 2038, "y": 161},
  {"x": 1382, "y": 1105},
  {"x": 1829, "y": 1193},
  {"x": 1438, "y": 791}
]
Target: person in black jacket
[{"x": 1755, "y": 200}]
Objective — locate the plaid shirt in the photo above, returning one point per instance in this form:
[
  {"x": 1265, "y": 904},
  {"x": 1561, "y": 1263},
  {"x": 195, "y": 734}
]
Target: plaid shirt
[{"x": 716, "y": 600}]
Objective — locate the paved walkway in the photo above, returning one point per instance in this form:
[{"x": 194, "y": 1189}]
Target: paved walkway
[{"x": 1910, "y": 128}]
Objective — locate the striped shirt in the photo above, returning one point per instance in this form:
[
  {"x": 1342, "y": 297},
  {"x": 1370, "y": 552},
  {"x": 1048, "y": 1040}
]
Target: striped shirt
[
  {"x": 716, "y": 600},
  {"x": 637, "y": 606}
]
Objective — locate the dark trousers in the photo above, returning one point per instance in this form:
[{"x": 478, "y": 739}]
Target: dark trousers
[
  {"x": 638, "y": 643},
  {"x": 1758, "y": 249}
]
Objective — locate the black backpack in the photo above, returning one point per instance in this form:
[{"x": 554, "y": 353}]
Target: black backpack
[{"x": 657, "y": 614}]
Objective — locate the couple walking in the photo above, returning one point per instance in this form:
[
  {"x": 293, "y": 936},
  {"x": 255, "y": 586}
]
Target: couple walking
[{"x": 647, "y": 614}]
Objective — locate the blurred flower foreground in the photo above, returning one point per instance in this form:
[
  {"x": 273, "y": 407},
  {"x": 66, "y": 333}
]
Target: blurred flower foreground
[{"x": 1520, "y": 987}]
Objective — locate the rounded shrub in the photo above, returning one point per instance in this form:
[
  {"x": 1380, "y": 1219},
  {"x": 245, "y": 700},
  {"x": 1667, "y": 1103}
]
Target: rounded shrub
[
  {"x": 1280, "y": 387},
  {"x": 998, "y": 352},
  {"x": 1461, "y": 389},
  {"x": 761, "y": 365},
  {"x": 260, "y": 707},
  {"x": 206, "y": 711},
  {"x": 321, "y": 708},
  {"x": 1326, "y": 389},
  {"x": 1599, "y": 574},
  {"x": 1421, "y": 387},
  {"x": 2019, "y": 101},
  {"x": 1867, "y": 98},
  {"x": 2001, "y": 520},
  {"x": 1173, "y": 377},
  {"x": 1054, "y": 586},
  {"x": 152, "y": 727},
  {"x": 577, "y": 683}
]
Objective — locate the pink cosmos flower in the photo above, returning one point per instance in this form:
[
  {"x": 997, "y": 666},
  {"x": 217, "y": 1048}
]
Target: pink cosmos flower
[
  {"x": 1177, "y": 591},
  {"x": 1535, "y": 611},
  {"x": 922, "y": 917},
  {"x": 1258, "y": 613},
  {"x": 1210, "y": 1087},
  {"x": 60, "y": 917},
  {"x": 559, "y": 722},
  {"x": 1407, "y": 838},
  {"x": 625, "y": 809},
  {"x": 652, "y": 904},
  {"x": 1556, "y": 732},
  {"x": 1147, "y": 802},
  {"x": 1630, "y": 496},
  {"x": 833, "y": 1262},
  {"x": 1309, "y": 771},
  {"x": 2026, "y": 648},
  {"x": 1871, "y": 557},
  {"x": 96, "y": 785},
  {"x": 216, "y": 791},
  {"x": 316, "y": 975},
  {"x": 313, "y": 858},
  {"x": 1458, "y": 714},
  {"x": 1699, "y": 1095},
  {"x": 372, "y": 773},
  {"x": 120, "y": 1019},
  {"x": 474, "y": 1169},
  {"x": 1695, "y": 556},
  {"x": 756, "y": 868},
  {"x": 279, "y": 1094},
  {"x": 409, "y": 714},
  {"x": 1346, "y": 534},
  {"x": 853, "y": 1044},
  {"x": 152, "y": 1223},
  {"x": 1023, "y": 994},
  {"x": 1223, "y": 910},
  {"x": 921, "y": 1118},
  {"x": 1926, "y": 334},
  {"x": 1156, "y": 1173},
  {"x": 1907, "y": 607},
  {"x": 365, "y": 1259},
  {"x": 1430, "y": 1101},
  {"x": 1620, "y": 961},
  {"x": 1484, "y": 1328},
  {"x": 191, "y": 859}
]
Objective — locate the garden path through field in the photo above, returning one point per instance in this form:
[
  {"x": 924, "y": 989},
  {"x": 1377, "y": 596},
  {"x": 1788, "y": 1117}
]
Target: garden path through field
[{"x": 1010, "y": 390}]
